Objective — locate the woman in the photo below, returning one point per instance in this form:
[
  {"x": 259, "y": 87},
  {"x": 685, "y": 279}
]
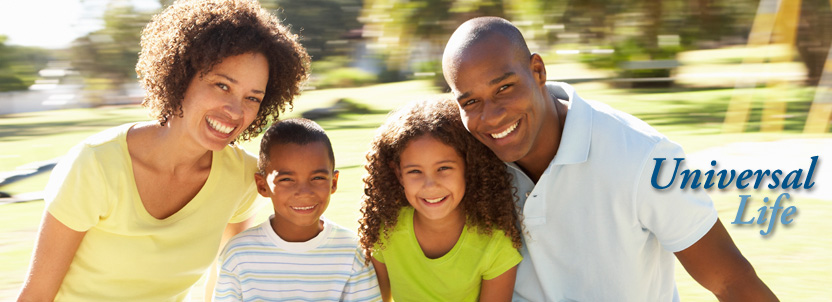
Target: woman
[{"x": 138, "y": 212}]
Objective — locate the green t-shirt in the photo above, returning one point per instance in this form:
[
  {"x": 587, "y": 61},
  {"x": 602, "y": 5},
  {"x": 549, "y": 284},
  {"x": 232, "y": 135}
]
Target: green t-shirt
[{"x": 456, "y": 276}]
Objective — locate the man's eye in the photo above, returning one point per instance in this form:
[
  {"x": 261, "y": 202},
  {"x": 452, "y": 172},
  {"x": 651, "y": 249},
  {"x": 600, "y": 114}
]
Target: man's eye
[
  {"x": 469, "y": 102},
  {"x": 504, "y": 87}
]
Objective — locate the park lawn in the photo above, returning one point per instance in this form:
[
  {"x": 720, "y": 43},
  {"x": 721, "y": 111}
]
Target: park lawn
[{"x": 791, "y": 261}]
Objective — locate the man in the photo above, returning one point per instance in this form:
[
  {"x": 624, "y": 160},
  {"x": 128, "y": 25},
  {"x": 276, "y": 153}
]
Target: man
[{"x": 594, "y": 227}]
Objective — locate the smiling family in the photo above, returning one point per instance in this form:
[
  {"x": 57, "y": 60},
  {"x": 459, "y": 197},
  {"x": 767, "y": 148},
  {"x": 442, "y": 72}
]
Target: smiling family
[{"x": 513, "y": 188}]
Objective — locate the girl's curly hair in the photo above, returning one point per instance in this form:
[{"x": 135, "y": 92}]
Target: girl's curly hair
[
  {"x": 489, "y": 196},
  {"x": 190, "y": 37}
]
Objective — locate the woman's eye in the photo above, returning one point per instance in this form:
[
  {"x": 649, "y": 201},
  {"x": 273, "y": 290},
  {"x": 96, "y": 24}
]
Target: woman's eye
[
  {"x": 443, "y": 168},
  {"x": 254, "y": 99}
]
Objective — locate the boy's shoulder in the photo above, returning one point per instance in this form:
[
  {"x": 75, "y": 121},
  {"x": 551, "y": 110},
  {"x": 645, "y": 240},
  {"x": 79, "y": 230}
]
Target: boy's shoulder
[
  {"x": 253, "y": 236},
  {"x": 339, "y": 234}
]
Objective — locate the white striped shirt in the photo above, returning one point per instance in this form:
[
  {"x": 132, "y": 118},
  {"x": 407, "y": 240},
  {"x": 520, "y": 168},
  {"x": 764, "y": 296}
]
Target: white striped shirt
[{"x": 257, "y": 265}]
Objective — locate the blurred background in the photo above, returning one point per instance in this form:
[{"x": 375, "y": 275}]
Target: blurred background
[{"x": 745, "y": 82}]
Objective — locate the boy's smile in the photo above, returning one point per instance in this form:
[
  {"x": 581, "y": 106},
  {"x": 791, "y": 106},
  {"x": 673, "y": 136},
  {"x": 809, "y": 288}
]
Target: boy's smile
[{"x": 299, "y": 180}]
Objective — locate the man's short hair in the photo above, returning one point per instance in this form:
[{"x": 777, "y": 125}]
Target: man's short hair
[
  {"x": 479, "y": 29},
  {"x": 299, "y": 131}
]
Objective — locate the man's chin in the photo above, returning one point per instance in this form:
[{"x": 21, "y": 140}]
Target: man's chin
[{"x": 507, "y": 156}]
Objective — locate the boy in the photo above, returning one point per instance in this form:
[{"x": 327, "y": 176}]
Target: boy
[{"x": 296, "y": 254}]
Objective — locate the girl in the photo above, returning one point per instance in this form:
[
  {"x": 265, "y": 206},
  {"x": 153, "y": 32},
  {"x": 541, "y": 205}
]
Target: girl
[
  {"x": 138, "y": 212},
  {"x": 439, "y": 220}
]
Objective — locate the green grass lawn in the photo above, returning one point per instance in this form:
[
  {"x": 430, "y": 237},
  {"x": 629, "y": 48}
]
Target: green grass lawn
[{"x": 793, "y": 261}]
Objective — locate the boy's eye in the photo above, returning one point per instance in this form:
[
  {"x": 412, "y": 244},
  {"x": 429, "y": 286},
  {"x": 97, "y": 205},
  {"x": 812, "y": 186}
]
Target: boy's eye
[
  {"x": 469, "y": 102},
  {"x": 284, "y": 179},
  {"x": 318, "y": 178},
  {"x": 504, "y": 87}
]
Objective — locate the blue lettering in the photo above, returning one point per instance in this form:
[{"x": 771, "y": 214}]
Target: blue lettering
[
  {"x": 654, "y": 179},
  {"x": 743, "y": 176},
  {"x": 807, "y": 184},
  {"x": 775, "y": 179},
  {"x": 741, "y": 210}
]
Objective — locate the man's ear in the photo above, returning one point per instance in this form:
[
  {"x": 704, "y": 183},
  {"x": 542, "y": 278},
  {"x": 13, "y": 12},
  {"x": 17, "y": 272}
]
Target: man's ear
[
  {"x": 334, "y": 181},
  {"x": 262, "y": 187},
  {"x": 538, "y": 69}
]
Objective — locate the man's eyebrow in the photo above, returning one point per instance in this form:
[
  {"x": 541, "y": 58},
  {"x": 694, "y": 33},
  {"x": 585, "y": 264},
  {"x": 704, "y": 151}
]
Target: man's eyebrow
[
  {"x": 234, "y": 81},
  {"x": 463, "y": 96},
  {"x": 501, "y": 78},
  {"x": 492, "y": 82}
]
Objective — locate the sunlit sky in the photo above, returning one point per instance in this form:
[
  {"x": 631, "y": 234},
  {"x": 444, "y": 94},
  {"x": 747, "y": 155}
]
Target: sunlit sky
[{"x": 55, "y": 23}]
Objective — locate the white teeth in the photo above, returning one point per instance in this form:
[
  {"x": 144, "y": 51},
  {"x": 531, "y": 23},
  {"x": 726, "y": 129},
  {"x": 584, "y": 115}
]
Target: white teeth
[
  {"x": 506, "y": 132},
  {"x": 219, "y": 126},
  {"x": 303, "y": 208},
  {"x": 434, "y": 200}
]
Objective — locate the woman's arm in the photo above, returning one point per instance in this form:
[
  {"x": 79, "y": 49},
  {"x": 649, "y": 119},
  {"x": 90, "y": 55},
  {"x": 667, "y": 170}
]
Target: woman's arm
[
  {"x": 54, "y": 250},
  {"x": 383, "y": 280},
  {"x": 500, "y": 288}
]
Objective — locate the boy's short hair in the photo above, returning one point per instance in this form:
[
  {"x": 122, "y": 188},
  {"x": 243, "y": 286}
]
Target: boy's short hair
[{"x": 299, "y": 131}]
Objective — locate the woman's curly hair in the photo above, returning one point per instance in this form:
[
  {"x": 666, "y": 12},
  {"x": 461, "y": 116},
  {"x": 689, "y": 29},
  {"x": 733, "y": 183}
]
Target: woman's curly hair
[
  {"x": 488, "y": 202},
  {"x": 190, "y": 37}
]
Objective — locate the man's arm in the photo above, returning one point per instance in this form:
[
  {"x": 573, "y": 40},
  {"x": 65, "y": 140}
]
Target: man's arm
[{"x": 716, "y": 263}]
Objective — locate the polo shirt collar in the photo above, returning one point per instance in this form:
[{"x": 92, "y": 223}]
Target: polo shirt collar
[{"x": 577, "y": 130}]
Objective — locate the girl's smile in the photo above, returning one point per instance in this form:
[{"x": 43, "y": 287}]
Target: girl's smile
[{"x": 433, "y": 176}]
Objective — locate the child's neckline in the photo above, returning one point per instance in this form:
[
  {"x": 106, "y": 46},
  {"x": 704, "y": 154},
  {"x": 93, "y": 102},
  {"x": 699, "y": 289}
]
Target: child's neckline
[
  {"x": 411, "y": 217},
  {"x": 308, "y": 245}
]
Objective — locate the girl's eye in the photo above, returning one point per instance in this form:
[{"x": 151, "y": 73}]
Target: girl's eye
[
  {"x": 254, "y": 99},
  {"x": 222, "y": 86},
  {"x": 414, "y": 172},
  {"x": 443, "y": 168}
]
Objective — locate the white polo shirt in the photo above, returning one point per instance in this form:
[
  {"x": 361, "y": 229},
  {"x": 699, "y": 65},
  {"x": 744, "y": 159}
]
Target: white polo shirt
[{"x": 594, "y": 227}]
